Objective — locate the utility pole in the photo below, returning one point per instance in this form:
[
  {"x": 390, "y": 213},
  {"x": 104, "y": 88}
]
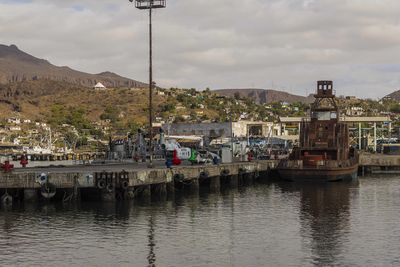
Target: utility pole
[{"x": 150, "y": 5}]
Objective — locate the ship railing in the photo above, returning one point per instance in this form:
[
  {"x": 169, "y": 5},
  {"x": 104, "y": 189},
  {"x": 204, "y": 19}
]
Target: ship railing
[
  {"x": 339, "y": 164},
  {"x": 291, "y": 164}
]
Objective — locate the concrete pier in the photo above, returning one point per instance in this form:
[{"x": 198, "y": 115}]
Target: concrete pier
[
  {"x": 378, "y": 164},
  {"x": 381, "y": 160},
  {"x": 113, "y": 182}
]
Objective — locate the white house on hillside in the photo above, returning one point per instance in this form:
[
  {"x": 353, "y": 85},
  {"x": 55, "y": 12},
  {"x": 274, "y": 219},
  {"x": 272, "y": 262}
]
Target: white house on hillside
[
  {"x": 99, "y": 86},
  {"x": 14, "y": 120}
]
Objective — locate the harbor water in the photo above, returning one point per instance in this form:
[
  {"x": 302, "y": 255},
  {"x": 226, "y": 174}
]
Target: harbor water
[{"x": 271, "y": 224}]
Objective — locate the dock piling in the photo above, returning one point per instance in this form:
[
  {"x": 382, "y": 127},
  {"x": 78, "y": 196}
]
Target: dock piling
[
  {"x": 194, "y": 186},
  {"x": 170, "y": 188},
  {"x": 215, "y": 184},
  {"x": 234, "y": 181},
  {"x": 30, "y": 195},
  {"x": 145, "y": 192}
]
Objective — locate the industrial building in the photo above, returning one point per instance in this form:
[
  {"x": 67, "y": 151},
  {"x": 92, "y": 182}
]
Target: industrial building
[{"x": 237, "y": 129}]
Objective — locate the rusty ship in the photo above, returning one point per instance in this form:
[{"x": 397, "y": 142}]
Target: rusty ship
[{"x": 324, "y": 152}]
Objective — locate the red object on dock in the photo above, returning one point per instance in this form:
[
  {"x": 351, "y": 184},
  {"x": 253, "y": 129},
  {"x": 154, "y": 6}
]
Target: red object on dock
[
  {"x": 175, "y": 159},
  {"x": 24, "y": 161},
  {"x": 7, "y": 167},
  {"x": 250, "y": 155}
]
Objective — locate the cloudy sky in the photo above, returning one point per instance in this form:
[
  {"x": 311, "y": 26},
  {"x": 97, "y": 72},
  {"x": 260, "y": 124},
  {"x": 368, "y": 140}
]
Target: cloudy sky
[{"x": 284, "y": 44}]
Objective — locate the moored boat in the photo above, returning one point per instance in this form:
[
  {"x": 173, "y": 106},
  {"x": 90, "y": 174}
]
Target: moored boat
[{"x": 324, "y": 153}]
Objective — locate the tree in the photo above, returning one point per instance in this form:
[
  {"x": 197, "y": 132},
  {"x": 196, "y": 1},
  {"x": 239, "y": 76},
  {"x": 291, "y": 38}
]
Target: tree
[
  {"x": 82, "y": 141},
  {"x": 133, "y": 126},
  {"x": 167, "y": 107},
  {"x": 96, "y": 133},
  {"x": 71, "y": 139},
  {"x": 192, "y": 91},
  {"x": 179, "y": 119},
  {"x": 110, "y": 113},
  {"x": 194, "y": 106},
  {"x": 395, "y": 108},
  {"x": 77, "y": 118},
  {"x": 57, "y": 115}
]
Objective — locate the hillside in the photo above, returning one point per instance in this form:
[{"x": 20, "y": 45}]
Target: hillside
[
  {"x": 265, "y": 96},
  {"x": 37, "y": 99},
  {"x": 17, "y": 66},
  {"x": 395, "y": 95}
]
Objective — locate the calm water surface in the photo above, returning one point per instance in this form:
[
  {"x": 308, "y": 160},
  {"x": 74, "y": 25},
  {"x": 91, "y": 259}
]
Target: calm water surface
[{"x": 277, "y": 224}]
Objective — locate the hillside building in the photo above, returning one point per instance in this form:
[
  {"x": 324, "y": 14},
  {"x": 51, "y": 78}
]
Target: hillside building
[
  {"x": 14, "y": 128},
  {"x": 99, "y": 86},
  {"x": 360, "y": 128},
  {"x": 239, "y": 129},
  {"x": 354, "y": 111},
  {"x": 14, "y": 120}
]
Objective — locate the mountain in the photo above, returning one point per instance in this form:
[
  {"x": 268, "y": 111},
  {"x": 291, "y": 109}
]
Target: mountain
[
  {"x": 265, "y": 96},
  {"x": 395, "y": 96},
  {"x": 17, "y": 66}
]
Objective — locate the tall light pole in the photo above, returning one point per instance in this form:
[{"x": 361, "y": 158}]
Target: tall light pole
[{"x": 150, "y": 5}]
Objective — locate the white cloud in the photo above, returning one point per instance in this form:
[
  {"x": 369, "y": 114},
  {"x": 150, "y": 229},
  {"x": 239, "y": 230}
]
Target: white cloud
[{"x": 217, "y": 44}]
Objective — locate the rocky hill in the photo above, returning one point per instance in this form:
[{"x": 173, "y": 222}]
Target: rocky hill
[
  {"x": 17, "y": 66},
  {"x": 395, "y": 95},
  {"x": 262, "y": 96},
  {"x": 41, "y": 100}
]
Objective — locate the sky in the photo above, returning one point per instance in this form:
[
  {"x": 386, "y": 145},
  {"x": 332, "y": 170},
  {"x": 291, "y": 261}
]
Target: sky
[{"x": 280, "y": 44}]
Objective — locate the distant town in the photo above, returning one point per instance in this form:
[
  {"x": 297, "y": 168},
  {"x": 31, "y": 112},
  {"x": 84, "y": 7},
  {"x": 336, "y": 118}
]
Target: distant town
[
  {"x": 70, "y": 131},
  {"x": 53, "y": 110}
]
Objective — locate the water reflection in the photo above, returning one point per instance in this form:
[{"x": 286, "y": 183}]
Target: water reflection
[
  {"x": 151, "y": 243},
  {"x": 285, "y": 224},
  {"x": 324, "y": 217}
]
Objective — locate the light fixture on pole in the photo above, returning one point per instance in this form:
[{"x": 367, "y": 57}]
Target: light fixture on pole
[{"x": 150, "y": 5}]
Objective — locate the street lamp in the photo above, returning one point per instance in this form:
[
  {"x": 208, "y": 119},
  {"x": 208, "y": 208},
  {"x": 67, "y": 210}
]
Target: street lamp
[{"x": 150, "y": 5}]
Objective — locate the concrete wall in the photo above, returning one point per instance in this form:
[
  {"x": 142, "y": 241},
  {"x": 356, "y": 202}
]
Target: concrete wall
[
  {"x": 87, "y": 178},
  {"x": 242, "y": 128},
  {"x": 368, "y": 159},
  {"x": 206, "y": 129}
]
